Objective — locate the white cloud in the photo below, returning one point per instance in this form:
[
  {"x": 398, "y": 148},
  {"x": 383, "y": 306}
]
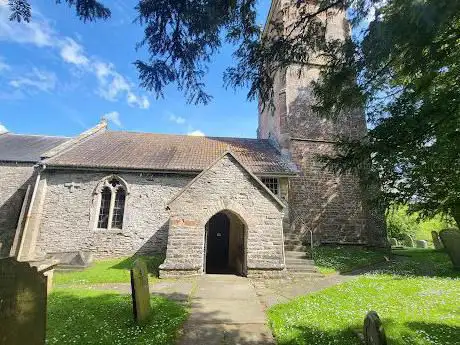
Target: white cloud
[
  {"x": 113, "y": 117},
  {"x": 3, "y": 129},
  {"x": 111, "y": 84},
  {"x": 38, "y": 79},
  {"x": 37, "y": 32},
  {"x": 72, "y": 52},
  {"x": 196, "y": 133},
  {"x": 140, "y": 101},
  {"x": 177, "y": 119},
  {"x": 3, "y": 65}
]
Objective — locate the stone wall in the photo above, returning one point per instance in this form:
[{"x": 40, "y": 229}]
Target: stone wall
[
  {"x": 331, "y": 206},
  {"x": 14, "y": 178},
  {"x": 320, "y": 201},
  {"x": 225, "y": 186},
  {"x": 67, "y": 218}
]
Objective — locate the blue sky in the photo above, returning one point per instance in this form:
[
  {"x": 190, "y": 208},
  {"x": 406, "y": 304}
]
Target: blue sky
[{"x": 59, "y": 76}]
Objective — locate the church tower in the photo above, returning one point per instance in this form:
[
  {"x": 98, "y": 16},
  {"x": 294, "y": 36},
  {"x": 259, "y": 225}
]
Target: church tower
[{"x": 332, "y": 207}]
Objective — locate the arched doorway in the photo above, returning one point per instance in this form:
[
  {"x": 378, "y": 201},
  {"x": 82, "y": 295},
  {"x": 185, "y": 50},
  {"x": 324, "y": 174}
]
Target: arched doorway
[{"x": 225, "y": 251}]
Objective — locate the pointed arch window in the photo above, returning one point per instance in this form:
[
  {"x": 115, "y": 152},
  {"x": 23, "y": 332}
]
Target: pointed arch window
[{"x": 111, "y": 194}]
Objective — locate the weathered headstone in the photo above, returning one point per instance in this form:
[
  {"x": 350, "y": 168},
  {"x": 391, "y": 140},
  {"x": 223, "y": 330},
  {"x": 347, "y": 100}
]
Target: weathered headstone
[
  {"x": 421, "y": 244},
  {"x": 393, "y": 242},
  {"x": 374, "y": 333},
  {"x": 436, "y": 240},
  {"x": 140, "y": 291},
  {"x": 451, "y": 240},
  {"x": 23, "y": 297},
  {"x": 71, "y": 260},
  {"x": 408, "y": 241}
]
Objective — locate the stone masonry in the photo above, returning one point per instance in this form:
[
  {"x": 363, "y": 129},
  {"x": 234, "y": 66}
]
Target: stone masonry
[
  {"x": 332, "y": 207},
  {"x": 226, "y": 185},
  {"x": 67, "y": 219},
  {"x": 14, "y": 178}
]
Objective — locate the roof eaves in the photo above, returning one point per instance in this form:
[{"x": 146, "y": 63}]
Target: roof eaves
[{"x": 120, "y": 168}]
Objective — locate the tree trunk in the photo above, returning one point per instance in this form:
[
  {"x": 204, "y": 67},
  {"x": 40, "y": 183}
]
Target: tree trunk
[{"x": 456, "y": 214}]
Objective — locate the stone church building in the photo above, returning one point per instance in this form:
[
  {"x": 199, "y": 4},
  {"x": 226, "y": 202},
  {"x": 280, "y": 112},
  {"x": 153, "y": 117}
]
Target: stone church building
[{"x": 209, "y": 204}]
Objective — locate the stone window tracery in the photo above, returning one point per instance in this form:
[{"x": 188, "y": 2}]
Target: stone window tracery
[{"x": 111, "y": 196}]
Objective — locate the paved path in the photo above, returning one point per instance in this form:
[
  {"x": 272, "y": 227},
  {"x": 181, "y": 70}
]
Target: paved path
[
  {"x": 275, "y": 291},
  {"x": 225, "y": 310}
]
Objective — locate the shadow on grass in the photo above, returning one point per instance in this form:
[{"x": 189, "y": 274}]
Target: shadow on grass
[
  {"x": 153, "y": 263},
  {"x": 398, "y": 333},
  {"x": 92, "y": 317},
  {"x": 436, "y": 333},
  {"x": 404, "y": 262},
  {"x": 303, "y": 335},
  {"x": 419, "y": 262},
  {"x": 343, "y": 259}
]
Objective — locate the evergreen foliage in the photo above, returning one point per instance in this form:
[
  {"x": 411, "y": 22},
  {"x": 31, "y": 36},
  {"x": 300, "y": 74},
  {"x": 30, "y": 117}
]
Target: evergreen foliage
[{"x": 401, "y": 68}]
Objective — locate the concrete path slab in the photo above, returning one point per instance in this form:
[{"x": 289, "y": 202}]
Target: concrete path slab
[{"x": 224, "y": 309}]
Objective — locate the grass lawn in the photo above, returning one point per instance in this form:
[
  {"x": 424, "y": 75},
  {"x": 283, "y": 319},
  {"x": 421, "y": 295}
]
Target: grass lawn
[
  {"x": 107, "y": 271},
  {"x": 417, "y": 299},
  {"x": 345, "y": 259},
  {"x": 81, "y": 317}
]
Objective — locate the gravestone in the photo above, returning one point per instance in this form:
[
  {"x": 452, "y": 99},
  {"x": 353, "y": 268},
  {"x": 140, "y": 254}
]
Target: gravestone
[
  {"x": 393, "y": 242},
  {"x": 373, "y": 331},
  {"x": 436, "y": 240},
  {"x": 140, "y": 291},
  {"x": 451, "y": 240},
  {"x": 23, "y": 297},
  {"x": 421, "y": 244},
  {"x": 71, "y": 260},
  {"x": 408, "y": 241}
]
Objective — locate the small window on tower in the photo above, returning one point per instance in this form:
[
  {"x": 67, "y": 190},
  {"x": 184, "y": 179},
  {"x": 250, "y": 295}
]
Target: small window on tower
[{"x": 272, "y": 183}]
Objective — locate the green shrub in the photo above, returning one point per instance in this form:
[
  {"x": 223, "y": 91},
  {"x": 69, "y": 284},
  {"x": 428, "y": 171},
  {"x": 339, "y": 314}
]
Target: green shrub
[{"x": 400, "y": 223}]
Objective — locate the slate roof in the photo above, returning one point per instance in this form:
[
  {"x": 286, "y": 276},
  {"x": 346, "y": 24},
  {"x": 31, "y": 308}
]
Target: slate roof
[
  {"x": 165, "y": 152},
  {"x": 26, "y": 148}
]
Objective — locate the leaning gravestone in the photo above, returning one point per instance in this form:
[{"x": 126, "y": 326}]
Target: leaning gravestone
[
  {"x": 421, "y": 244},
  {"x": 436, "y": 240},
  {"x": 451, "y": 240},
  {"x": 23, "y": 295},
  {"x": 393, "y": 242},
  {"x": 140, "y": 291},
  {"x": 373, "y": 331},
  {"x": 408, "y": 241}
]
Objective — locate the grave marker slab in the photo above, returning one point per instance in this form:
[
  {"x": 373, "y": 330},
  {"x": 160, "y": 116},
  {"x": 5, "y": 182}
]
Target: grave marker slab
[
  {"x": 140, "y": 291},
  {"x": 436, "y": 240},
  {"x": 393, "y": 242},
  {"x": 408, "y": 241},
  {"x": 451, "y": 240},
  {"x": 374, "y": 333},
  {"x": 23, "y": 298},
  {"x": 421, "y": 244}
]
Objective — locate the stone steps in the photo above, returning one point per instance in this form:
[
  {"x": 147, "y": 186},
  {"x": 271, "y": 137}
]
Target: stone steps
[
  {"x": 300, "y": 261},
  {"x": 295, "y": 247},
  {"x": 299, "y": 264},
  {"x": 295, "y": 254}
]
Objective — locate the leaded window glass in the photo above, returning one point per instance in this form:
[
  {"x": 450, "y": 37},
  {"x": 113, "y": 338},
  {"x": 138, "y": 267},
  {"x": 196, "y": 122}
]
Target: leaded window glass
[
  {"x": 272, "y": 183},
  {"x": 104, "y": 210},
  {"x": 118, "y": 209}
]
